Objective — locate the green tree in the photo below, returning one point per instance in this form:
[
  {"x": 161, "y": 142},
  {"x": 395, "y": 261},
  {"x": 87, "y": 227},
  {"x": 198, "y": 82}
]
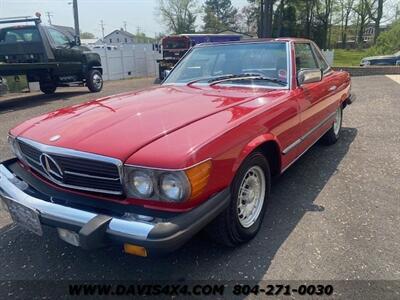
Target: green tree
[
  {"x": 219, "y": 15},
  {"x": 179, "y": 15},
  {"x": 388, "y": 42}
]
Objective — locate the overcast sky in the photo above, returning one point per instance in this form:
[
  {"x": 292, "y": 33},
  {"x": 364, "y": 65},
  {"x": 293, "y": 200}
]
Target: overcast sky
[{"x": 136, "y": 13}]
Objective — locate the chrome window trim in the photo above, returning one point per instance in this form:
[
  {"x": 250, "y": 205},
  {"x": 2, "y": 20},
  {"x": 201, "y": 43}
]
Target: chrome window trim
[
  {"x": 289, "y": 64},
  {"x": 288, "y": 59},
  {"x": 307, "y": 134},
  {"x": 318, "y": 50},
  {"x": 65, "y": 152}
]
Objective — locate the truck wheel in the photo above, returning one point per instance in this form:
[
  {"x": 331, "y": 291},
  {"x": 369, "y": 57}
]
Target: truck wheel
[
  {"x": 47, "y": 87},
  {"x": 94, "y": 81},
  {"x": 332, "y": 135},
  {"x": 250, "y": 190}
]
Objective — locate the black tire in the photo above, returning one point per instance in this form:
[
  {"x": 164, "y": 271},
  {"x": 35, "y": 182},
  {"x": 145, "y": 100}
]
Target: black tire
[
  {"x": 94, "y": 81},
  {"x": 226, "y": 229},
  {"x": 332, "y": 136},
  {"x": 161, "y": 73},
  {"x": 47, "y": 87}
]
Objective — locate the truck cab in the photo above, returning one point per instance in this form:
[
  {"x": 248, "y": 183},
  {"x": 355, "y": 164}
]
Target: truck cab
[{"x": 51, "y": 55}]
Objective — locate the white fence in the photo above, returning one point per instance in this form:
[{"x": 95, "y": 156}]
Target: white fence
[{"x": 128, "y": 61}]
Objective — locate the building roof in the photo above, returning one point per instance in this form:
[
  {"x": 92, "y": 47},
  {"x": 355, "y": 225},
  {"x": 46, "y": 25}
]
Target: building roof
[{"x": 121, "y": 31}]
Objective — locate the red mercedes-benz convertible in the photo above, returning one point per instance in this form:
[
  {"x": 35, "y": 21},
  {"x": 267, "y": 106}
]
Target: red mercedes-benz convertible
[{"x": 151, "y": 168}]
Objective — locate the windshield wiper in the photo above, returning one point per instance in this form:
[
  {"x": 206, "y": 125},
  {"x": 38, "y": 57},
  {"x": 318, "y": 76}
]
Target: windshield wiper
[
  {"x": 232, "y": 77},
  {"x": 209, "y": 78},
  {"x": 247, "y": 76}
]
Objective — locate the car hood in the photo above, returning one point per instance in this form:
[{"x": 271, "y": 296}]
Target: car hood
[
  {"x": 120, "y": 125},
  {"x": 379, "y": 57}
]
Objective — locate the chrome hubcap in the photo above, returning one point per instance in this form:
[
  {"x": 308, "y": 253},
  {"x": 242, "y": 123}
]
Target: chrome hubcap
[
  {"x": 338, "y": 122},
  {"x": 251, "y": 196},
  {"x": 97, "y": 81}
]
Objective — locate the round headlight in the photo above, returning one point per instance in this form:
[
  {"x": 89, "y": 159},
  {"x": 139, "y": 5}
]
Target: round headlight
[
  {"x": 142, "y": 183},
  {"x": 172, "y": 187}
]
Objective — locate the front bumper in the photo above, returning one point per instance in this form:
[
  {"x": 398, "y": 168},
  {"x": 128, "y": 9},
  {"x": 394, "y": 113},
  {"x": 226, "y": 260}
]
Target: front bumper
[
  {"x": 349, "y": 100},
  {"x": 161, "y": 235}
]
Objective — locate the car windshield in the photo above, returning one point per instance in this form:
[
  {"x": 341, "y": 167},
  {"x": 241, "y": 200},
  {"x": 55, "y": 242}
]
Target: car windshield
[
  {"x": 19, "y": 35},
  {"x": 261, "y": 64}
]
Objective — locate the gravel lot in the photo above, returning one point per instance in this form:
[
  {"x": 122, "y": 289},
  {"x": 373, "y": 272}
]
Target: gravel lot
[{"x": 334, "y": 215}]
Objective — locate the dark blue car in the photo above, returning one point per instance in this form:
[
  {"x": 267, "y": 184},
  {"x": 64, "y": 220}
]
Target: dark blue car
[{"x": 384, "y": 60}]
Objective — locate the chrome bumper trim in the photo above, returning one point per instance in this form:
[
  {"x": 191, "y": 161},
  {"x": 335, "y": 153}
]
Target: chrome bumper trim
[{"x": 11, "y": 188}]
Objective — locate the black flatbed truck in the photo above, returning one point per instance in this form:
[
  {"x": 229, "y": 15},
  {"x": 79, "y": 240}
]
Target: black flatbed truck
[{"x": 51, "y": 55}]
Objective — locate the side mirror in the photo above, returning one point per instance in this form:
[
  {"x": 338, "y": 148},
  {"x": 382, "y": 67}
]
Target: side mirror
[
  {"x": 77, "y": 41},
  {"x": 309, "y": 76}
]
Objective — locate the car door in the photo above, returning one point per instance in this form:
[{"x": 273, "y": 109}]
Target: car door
[
  {"x": 65, "y": 53},
  {"x": 316, "y": 101}
]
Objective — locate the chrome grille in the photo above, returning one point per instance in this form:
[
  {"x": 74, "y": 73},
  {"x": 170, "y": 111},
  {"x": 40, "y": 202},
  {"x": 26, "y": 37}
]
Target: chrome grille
[{"x": 73, "y": 169}]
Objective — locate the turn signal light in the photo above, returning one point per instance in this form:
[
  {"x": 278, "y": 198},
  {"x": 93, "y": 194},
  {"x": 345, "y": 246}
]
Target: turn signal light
[
  {"x": 198, "y": 177},
  {"x": 135, "y": 250}
]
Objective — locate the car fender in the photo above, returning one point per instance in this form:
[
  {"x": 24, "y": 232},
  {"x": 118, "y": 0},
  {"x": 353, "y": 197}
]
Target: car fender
[{"x": 253, "y": 145}]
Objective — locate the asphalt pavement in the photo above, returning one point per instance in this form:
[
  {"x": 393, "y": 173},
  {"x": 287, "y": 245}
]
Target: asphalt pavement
[{"x": 333, "y": 215}]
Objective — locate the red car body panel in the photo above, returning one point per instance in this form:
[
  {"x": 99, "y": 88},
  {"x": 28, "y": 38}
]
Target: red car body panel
[{"x": 175, "y": 127}]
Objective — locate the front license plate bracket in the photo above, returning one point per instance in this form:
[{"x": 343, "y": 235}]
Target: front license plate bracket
[{"x": 24, "y": 216}]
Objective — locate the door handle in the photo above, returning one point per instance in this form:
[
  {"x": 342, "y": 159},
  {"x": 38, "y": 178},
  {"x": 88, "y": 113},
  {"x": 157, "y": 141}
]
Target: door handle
[{"x": 332, "y": 88}]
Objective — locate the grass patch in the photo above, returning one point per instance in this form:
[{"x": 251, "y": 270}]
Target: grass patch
[{"x": 348, "y": 58}]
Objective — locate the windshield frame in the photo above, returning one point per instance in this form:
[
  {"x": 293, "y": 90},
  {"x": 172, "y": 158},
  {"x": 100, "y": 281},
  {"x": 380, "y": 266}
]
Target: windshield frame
[{"x": 254, "y": 85}]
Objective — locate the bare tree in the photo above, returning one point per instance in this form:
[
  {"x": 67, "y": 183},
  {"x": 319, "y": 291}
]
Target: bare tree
[
  {"x": 346, "y": 8},
  {"x": 324, "y": 13},
  {"x": 362, "y": 10},
  {"x": 268, "y": 11},
  {"x": 179, "y": 15},
  {"x": 375, "y": 11}
]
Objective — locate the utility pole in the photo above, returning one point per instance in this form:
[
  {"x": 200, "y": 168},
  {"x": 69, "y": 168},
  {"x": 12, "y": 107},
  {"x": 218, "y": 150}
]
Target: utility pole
[
  {"x": 49, "y": 15},
  {"x": 76, "y": 21},
  {"x": 102, "y": 29}
]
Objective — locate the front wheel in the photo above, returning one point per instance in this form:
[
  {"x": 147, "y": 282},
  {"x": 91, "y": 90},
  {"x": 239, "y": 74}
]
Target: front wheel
[
  {"x": 47, "y": 87},
  {"x": 333, "y": 134},
  {"x": 94, "y": 81},
  {"x": 250, "y": 189}
]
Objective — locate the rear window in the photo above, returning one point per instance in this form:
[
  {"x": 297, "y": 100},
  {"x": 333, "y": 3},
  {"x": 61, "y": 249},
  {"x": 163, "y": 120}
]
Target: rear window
[{"x": 19, "y": 35}]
